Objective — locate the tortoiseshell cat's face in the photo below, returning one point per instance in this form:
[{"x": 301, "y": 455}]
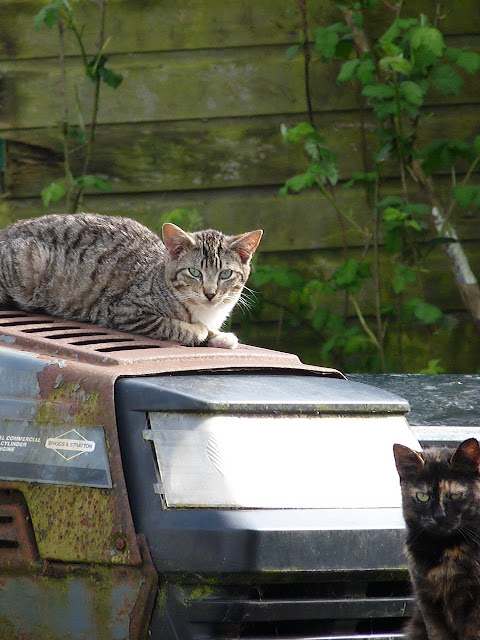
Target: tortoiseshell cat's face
[{"x": 440, "y": 488}]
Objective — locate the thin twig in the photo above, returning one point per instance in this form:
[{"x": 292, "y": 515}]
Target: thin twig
[
  {"x": 95, "y": 107},
  {"x": 302, "y": 5},
  {"x": 63, "y": 92}
]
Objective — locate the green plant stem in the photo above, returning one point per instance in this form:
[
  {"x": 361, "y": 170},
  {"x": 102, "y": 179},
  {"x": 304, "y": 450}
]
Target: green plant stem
[
  {"x": 364, "y": 324},
  {"x": 471, "y": 169},
  {"x": 325, "y": 192},
  {"x": 96, "y": 103},
  {"x": 400, "y": 139},
  {"x": 376, "y": 281}
]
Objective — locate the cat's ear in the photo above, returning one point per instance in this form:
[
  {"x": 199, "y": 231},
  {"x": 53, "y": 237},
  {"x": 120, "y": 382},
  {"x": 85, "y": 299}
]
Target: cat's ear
[
  {"x": 467, "y": 455},
  {"x": 176, "y": 239},
  {"x": 245, "y": 244},
  {"x": 407, "y": 460}
]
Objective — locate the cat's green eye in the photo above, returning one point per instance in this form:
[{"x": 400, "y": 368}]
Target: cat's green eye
[
  {"x": 194, "y": 272},
  {"x": 421, "y": 496},
  {"x": 225, "y": 274},
  {"x": 457, "y": 495}
]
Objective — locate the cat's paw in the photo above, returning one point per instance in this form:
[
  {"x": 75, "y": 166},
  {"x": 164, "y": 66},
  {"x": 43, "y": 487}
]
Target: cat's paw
[
  {"x": 223, "y": 340},
  {"x": 200, "y": 334}
]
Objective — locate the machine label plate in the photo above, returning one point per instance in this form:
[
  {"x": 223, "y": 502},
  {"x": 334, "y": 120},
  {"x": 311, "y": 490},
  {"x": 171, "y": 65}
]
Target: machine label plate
[{"x": 54, "y": 454}]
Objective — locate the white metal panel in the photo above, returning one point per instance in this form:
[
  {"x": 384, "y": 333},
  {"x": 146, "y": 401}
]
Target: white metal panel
[{"x": 278, "y": 462}]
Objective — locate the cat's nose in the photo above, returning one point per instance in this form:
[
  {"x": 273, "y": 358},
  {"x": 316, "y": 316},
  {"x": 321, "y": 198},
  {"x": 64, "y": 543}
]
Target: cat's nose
[
  {"x": 209, "y": 295},
  {"x": 439, "y": 513}
]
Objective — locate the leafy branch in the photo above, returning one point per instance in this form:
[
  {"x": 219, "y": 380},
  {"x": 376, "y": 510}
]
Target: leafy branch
[
  {"x": 76, "y": 139},
  {"x": 394, "y": 75}
]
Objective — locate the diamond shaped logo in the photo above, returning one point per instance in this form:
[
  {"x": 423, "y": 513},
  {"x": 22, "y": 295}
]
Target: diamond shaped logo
[{"x": 70, "y": 444}]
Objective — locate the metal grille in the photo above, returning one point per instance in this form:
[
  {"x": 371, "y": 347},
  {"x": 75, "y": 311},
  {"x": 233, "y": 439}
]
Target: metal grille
[
  {"x": 63, "y": 337},
  {"x": 347, "y": 610},
  {"x": 17, "y": 541}
]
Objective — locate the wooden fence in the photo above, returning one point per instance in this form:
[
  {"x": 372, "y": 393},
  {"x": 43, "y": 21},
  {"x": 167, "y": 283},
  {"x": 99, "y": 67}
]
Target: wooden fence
[{"x": 196, "y": 123}]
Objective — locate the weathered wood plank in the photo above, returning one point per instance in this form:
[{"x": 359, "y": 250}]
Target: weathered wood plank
[
  {"x": 179, "y": 86},
  {"x": 207, "y": 155},
  {"x": 292, "y": 223},
  {"x": 169, "y": 25},
  {"x": 157, "y": 25}
]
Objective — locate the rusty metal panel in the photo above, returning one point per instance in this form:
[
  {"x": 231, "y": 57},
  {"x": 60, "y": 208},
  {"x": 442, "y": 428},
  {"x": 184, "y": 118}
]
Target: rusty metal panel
[
  {"x": 54, "y": 601},
  {"x": 132, "y": 354},
  {"x": 17, "y": 542},
  {"x": 71, "y": 523}
]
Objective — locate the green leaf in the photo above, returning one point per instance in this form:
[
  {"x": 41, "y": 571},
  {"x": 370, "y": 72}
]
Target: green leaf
[
  {"x": 428, "y": 313},
  {"x": 403, "y": 276},
  {"x": 452, "y": 53},
  {"x": 183, "y": 217},
  {"x": 391, "y": 201},
  {"x": 326, "y": 41},
  {"x": 399, "y": 64},
  {"x": 344, "y": 49},
  {"x": 53, "y": 192},
  {"x": 360, "y": 176},
  {"x": 383, "y": 110},
  {"x": 357, "y": 343},
  {"x": 427, "y": 37},
  {"x": 380, "y": 91},
  {"x": 93, "y": 181},
  {"x": 469, "y": 60},
  {"x": 325, "y": 172},
  {"x": 292, "y": 51},
  {"x": 424, "y": 59},
  {"x": 110, "y": 77},
  {"x": 433, "y": 368},
  {"x": 348, "y": 69},
  {"x": 446, "y": 80},
  {"x": 319, "y": 318},
  {"x": 350, "y": 275},
  {"x": 441, "y": 154},
  {"x": 366, "y": 71},
  {"x": 48, "y": 15},
  {"x": 417, "y": 209},
  {"x": 412, "y": 92},
  {"x": 297, "y": 133},
  {"x": 285, "y": 278},
  {"x": 467, "y": 195},
  {"x": 424, "y": 311},
  {"x": 413, "y": 224},
  {"x": 298, "y": 183},
  {"x": 395, "y": 30}
]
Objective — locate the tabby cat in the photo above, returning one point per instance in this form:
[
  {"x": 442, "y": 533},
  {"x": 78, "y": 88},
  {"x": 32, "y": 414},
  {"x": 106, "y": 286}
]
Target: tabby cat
[
  {"x": 441, "y": 507},
  {"x": 116, "y": 273}
]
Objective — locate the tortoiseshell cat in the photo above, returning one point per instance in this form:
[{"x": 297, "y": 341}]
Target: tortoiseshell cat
[
  {"x": 116, "y": 273},
  {"x": 441, "y": 507}
]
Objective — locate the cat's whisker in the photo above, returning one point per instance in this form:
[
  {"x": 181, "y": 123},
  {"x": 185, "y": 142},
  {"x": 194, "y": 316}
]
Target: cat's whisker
[
  {"x": 469, "y": 533},
  {"x": 252, "y": 293},
  {"x": 247, "y": 299}
]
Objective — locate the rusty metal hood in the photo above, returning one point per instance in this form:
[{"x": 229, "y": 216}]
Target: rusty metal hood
[{"x": 129, "y": 354}]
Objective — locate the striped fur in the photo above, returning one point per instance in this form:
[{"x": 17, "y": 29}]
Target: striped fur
[{"x": 116, "y": 273}]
